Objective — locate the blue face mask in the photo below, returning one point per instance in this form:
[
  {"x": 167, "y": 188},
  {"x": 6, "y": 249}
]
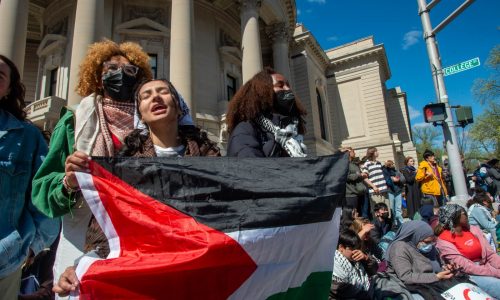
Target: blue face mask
[{"x": 426, "y": 248}]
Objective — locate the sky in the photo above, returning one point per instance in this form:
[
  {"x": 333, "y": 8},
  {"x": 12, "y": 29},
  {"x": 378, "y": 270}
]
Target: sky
[{"x": 397, "y": 25}]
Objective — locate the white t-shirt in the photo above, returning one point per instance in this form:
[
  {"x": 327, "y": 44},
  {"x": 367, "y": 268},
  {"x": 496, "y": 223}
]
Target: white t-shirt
[{"x": 170, "y": 151}]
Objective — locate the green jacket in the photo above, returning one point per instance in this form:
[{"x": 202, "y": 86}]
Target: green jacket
[{"x": 48, "y": 192}]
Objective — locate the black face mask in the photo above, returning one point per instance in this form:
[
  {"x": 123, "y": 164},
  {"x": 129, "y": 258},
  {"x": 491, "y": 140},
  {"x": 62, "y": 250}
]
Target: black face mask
[
  {"x": 119, "y": 85},
  {"x": 385, "y": 215},
  {"x": 284, "y": 102}
]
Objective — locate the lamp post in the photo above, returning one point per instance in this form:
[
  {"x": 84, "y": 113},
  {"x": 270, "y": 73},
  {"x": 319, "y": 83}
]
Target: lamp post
[{"x": 450, "y": 135}]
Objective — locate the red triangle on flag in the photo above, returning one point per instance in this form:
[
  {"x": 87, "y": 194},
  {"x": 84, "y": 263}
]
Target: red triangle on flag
[{"x": 163, "y": 253}]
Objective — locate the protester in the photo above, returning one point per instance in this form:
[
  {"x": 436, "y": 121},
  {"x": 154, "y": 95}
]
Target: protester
[
  {"x": 24, "y": 231},
  {"x": 465, "y": 246},
  {"x": 363, "y": 228},
  {"x": 348, "y": 216},
  {"x": 382, "y": 224},
  {"x": 395, "y": 183},
  {"x": 430, "y": 177},
  {"x": 413, "y": 258},
  {"x": 351, "y": 269},
  {"x": 412, "y": 189},
  {"x": 481, "y": 214},
  {"x": 355, "y": 187},
  {"x": 376, "y": 181},
  {"x": 265, "y": 119},
  {"x": 168, "y": 129},
  {"x": 492, "y": 178},
  {"x": 98, "y": 127}
]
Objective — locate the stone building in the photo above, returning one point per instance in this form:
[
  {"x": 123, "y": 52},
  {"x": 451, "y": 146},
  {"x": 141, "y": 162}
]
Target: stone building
[{"x": 215, "y": 46}]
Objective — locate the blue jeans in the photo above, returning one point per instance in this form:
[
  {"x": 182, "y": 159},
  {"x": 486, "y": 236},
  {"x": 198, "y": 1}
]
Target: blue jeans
[
  {"x": 488, "y": 284},
  {"x": 365, "y": 208},
  {"x": 396, "y": 201}
]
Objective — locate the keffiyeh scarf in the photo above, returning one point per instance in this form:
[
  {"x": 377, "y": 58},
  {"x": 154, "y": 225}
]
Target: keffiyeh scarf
[
  {"x": 116, "y": 118},
  {"x": 351, "y": 273},
  {"x": 288, "y": 137}
]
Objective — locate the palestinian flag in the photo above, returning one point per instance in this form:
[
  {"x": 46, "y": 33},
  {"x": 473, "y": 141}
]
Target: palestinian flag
[{"x": 214, "y": 228}]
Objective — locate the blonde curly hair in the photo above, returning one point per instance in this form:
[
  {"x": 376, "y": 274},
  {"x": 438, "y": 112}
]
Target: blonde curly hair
[{"x": 91, "y": 67}]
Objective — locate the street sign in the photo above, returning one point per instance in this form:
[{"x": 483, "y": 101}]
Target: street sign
[{"x": 463, "y": 66}]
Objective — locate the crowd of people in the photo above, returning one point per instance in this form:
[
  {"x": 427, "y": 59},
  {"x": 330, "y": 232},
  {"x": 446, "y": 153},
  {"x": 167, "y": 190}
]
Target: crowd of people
[
  {"x": 434, "y": 246},
  {"x": 382, "y": 252}
]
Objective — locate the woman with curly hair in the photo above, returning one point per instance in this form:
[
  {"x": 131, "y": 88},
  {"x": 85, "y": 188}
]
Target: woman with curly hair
[
  {"x": 97, "y": 127},
  {"x": 24, "y": 231},
  {"x": 265, "y": 119}
]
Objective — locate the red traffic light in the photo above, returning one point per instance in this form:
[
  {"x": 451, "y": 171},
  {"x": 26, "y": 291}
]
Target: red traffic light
[{"x": 435, "y": 112}]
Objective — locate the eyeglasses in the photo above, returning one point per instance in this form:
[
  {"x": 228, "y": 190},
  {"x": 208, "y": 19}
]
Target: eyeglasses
[{"x": 128, "y": 69}]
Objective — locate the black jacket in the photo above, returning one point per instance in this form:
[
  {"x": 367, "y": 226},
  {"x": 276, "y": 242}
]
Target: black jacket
[{"x": 249, "y": 140}]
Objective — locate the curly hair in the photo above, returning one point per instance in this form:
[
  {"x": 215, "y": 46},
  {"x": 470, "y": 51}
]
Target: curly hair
[
  {"x": 14, "y": 101},
  {"x": 98, "y": 53},
  {"x": 256, "y": 97}
]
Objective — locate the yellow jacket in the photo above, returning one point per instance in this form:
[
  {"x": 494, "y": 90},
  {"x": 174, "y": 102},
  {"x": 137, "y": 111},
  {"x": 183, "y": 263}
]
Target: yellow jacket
[{"x": 429, "y": 184}]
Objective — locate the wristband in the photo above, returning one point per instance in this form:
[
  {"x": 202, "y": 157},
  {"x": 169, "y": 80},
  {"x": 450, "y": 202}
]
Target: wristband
[{"x": 67, "y": 187}]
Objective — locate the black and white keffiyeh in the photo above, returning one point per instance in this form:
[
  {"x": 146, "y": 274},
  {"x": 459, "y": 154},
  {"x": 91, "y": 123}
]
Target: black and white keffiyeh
[
  {"x": 352, "y": 273},
  {"x": 288, "y": 137}
]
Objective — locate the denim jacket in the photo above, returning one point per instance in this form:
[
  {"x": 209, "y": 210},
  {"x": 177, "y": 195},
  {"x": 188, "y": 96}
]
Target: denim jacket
[{"x": 22, "y": 226}]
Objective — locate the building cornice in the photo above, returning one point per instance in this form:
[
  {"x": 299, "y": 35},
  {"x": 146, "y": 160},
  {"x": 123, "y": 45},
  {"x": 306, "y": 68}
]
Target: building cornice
[
  {"x": 306, "y": 39},
  {"x": 377, "y": 51}
]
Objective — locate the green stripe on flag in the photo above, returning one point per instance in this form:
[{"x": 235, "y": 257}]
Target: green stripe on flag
[{"x": 316, "y": 286}]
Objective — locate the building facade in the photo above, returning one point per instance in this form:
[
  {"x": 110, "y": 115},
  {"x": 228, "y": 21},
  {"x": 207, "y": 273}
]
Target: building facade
[{"x": 208, "y": 49}]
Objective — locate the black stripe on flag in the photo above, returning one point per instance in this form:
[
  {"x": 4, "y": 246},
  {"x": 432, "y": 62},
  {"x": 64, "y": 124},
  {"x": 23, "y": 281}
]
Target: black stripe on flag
[{"x": 232, "y": 194}]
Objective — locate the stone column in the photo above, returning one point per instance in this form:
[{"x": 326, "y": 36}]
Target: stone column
[
  {"x": 181, "y": 51},
  {"x": 13, "y": 30},
  {"x": 85, "y": 32},
  {"x": 250, "y": 40},
  {"x": 279, "y": 35}
]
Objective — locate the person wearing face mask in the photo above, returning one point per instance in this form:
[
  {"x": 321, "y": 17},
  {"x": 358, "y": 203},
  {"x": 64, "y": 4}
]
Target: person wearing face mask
[
  {"x": 265, "y": 119},
  {"x": 381, "y": 222},
  {"x": 97, "y": 127},
  {"x": 466, "y": 247},
  {"x": 414, "y": 259}
]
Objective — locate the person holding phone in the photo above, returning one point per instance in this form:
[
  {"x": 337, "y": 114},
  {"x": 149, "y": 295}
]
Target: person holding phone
[{"x": 465, "y": 246}]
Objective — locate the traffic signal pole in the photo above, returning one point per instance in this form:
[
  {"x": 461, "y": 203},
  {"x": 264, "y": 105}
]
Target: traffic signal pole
[{"x": 449, "y": 130}]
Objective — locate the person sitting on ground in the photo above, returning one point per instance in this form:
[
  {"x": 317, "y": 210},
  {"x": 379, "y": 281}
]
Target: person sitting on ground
[
  {"x": 465, "y": 246},
  {"x": 430, "y": 176},
  {"x": 481, "y": 214},
  {"x": 351, "y": 269},
  {"x": 348, "y": 216},
  {"x": 382, "y": 224},
  {"x": 363, "y": 228},
  {"x": 265, "y": 119},
  {"x": 414, "y": 260}
]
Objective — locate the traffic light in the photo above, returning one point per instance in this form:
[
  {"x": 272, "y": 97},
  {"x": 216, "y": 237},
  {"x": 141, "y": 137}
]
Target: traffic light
[
  {"x": 435, "y": 112},
  {"x": 464, "y": 115}
]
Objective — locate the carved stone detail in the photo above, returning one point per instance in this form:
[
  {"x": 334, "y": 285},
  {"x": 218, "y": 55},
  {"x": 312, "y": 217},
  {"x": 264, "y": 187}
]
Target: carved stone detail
[
  {"x": 278, "y": 32},
  {"x": 250, "y": 4},
  {"x": 157, "y": 14}
]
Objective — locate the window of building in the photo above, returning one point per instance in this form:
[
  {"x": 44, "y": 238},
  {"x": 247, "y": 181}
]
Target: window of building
[
  {"x": 321, "y": 115},
  {"x": 53, "y": 82},
  {"x": 153, "y": 61},
  {"x": 231, "y": 86}
]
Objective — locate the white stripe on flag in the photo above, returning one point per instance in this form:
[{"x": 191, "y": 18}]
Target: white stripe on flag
[
  {"x": 286, "y": 256},
  {"x": 95, "y": 204}
]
